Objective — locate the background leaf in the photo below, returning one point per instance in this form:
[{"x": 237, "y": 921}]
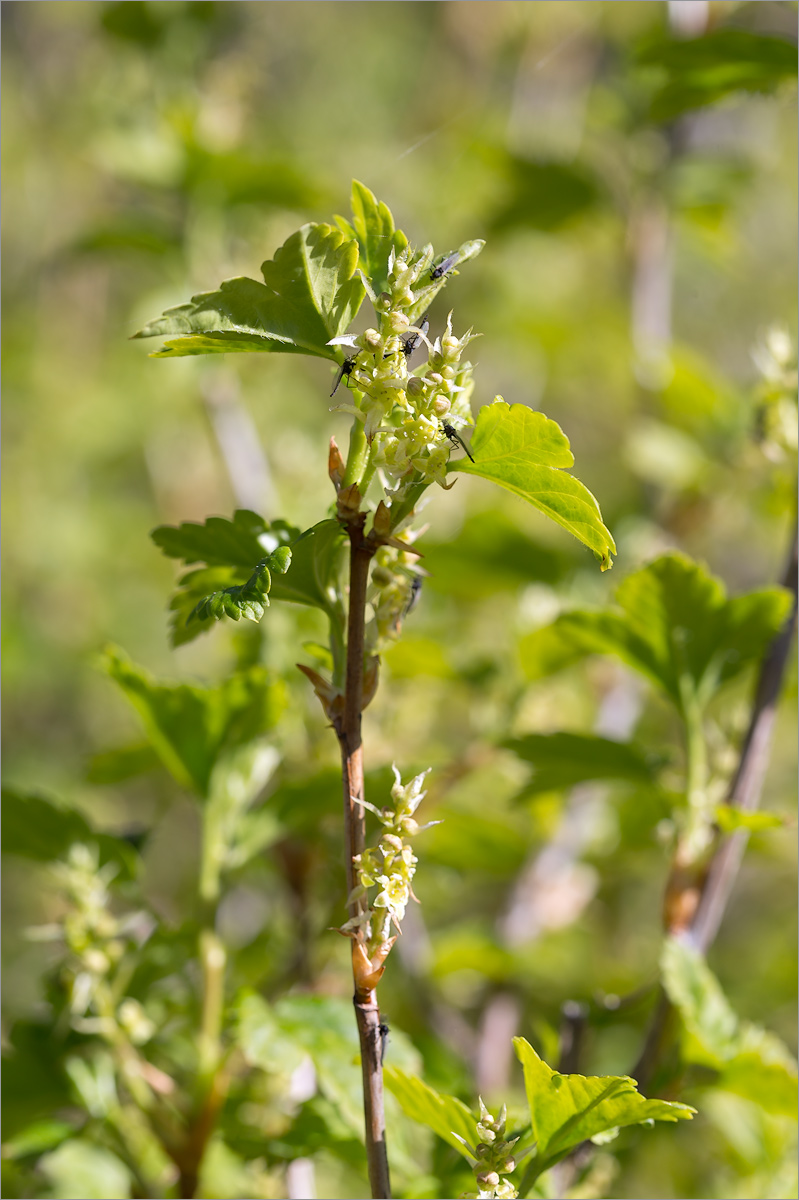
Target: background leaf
[
  {"x": 525, "y": 452},
  {"x": 676, "y": 626},
  {"x": 561, "y": 760},
  {"x": 189, "y": 726},
  {"x": 445, "y": 1115}
]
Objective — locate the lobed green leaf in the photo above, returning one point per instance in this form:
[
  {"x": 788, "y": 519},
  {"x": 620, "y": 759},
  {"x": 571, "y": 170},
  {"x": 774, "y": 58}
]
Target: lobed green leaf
[
  {"x": 568, "y": 1109},
  {"x": 373, "y": 226},
  {"x": 310, "y": 294},
  {"x": 525, "y": 452}
]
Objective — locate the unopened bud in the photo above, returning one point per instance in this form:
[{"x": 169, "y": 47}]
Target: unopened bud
[
  {"x": 383, "y": 302},
  {"x": 335, "y": 465},
  {"x": 434, "y": 378},
  {"x": 370, "y": 339},
  {"x": 95, "y": 961},
  {"x": 441, "y": 406},
  {"x": 414, "y": 386},
  {"x": 507, "y": 1166},
  {"x": 397, "y": 322},
  {"x": 488, "y": 1178}
]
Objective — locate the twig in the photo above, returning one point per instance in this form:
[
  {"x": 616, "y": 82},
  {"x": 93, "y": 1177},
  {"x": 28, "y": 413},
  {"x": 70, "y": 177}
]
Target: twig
[
  {"x": 715, "y": 885},
  {"x": 348, "y": 729}
]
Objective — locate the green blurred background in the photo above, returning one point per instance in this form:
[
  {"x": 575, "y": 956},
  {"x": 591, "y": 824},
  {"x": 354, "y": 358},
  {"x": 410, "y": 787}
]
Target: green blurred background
[{"x": 153, "y": 149}]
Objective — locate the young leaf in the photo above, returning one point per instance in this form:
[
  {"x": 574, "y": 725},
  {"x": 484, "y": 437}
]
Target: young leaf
[
  {"x": 310, "y": 294},
  {"x": 561, "y": 760},
  {"x": 373, "y": 225},
  {"x": 568, "y": 1109},
  {"x": 249, "y": 599},
  {"x": 525, "y": 452},
  {"x": 231, "y": 548},
  {"x": 125, "y": 762},
  {"x": 445, "y": 1115},
  {"x": 675, "y": 625},
  {"x": 190, "y": 727}
]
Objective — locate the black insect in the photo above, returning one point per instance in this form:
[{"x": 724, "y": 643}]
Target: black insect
[
  {"x": 412, "y": 340},
  {"x": 413, "y": 598},
  {"x": 451, "y": 432},
  {"x": 346, "y": 368},
  {"x": 383, "y": 1031},
  {"x": 446, "y": 266}
]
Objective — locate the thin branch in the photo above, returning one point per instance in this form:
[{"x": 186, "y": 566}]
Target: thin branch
[{"x": 348, "y": 729}]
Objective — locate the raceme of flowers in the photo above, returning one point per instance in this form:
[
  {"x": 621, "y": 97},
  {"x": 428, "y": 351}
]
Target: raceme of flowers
[
  {"x": 389, "y": 866},
  {"x": 494, "y": 1157},
  {"x": 404, "y": 412}
]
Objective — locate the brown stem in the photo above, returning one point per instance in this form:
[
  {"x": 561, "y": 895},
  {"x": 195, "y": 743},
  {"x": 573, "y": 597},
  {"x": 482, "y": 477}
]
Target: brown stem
[
  {"x": 714, "y": 885},
  {"x": 348, "y": 729}
]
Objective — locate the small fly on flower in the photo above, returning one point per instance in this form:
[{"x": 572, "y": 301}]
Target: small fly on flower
[
  {"x": 455, "y": 438},
  {"x": 413, "y": 598},
  {"x": 412, "y": 340},
  {"x": 446, "y": 266},
  {"x": 346, "y": 368}
]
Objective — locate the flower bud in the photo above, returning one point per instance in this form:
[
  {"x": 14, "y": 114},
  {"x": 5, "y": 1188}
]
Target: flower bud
[
  {"x": 383, "y": 302},
  {"x": 370, "y": 339},
  {"x": 450, "y": 346},
  {"x": 434, "y": 378},
  {"x": 488, "y": 1178},
  {"x": 441, "y": 406},
  {"x": 506, "y": 1167},
  {"x": 415, "y": 386},
  {"x": 397, "y": 322}
]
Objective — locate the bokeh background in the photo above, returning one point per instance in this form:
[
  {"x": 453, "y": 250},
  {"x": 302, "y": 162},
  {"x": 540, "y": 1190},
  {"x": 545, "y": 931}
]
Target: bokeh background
[{"x": 632, "y": 264}]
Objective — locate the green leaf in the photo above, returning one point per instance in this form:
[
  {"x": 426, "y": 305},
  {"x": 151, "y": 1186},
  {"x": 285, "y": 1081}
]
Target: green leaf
[
  {"x": 547, "y": 650},
  {"x": 751, "y": 1061},
  {"x": 310, "y": 294},
  {"x": 219, "y": 542},
  {"x": 675, "y": 625},
  {"x": 730, "y": 820},
  {"x": 561, "y": 760},
  {"x": 190, "y": 727},
  {"x": 115, "y": 766},
  {"x": 317, "y": 556},
  {"x": 81, "y": 1168},
  {"x": 568, "y": 1109},
  {"x": 706, "y": 1013},
  {"x": 373, "y": 225},
  {"x": 43, "y": 828},
  {"x": 445, "y": 1115},
  {"x": 249, "y": 599},
  {"x": 525, "y": 452},
  {"x": 228, "y": 585},
  {"x": 701, "y": 71},
  {"x": 38, "y": 1137}
]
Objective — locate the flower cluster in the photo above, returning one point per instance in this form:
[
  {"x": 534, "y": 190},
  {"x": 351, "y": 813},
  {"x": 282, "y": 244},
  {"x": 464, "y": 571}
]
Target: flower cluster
[
  {"x": 494, "y": 1157},
  {"x": 395, "y": 582},
  {"x": 389, "y": 866},
  {"x": 96, "y": 942},
  {"x": 404, "y": 411}
]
